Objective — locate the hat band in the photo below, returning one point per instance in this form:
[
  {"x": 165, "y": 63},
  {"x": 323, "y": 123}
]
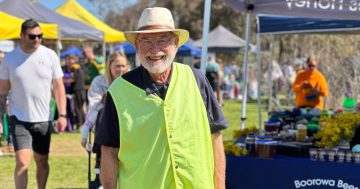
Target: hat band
[{"x": 151, "y": 27}]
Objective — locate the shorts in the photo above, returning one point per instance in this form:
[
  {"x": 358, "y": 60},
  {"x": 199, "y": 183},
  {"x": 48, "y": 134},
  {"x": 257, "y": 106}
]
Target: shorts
[{"x": 28, "y": 135}]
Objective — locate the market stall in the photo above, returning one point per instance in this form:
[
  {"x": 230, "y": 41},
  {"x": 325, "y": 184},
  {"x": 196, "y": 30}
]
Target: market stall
[{"x": 302, "y": 148}]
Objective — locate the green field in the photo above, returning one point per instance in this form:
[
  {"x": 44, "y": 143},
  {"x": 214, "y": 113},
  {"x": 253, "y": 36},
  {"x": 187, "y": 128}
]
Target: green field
[{"x": 68, "y": 160}]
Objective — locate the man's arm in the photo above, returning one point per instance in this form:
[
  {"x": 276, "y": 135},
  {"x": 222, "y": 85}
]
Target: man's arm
[
  {"x": 4, "y": 86},
  {"x": 219, "y": 160},
  {"x": 109, "y": 167},
  {"x": 59, "y": 92},
  {"x": 297, "y": 86},
  {"x": 4, "y": 89}
]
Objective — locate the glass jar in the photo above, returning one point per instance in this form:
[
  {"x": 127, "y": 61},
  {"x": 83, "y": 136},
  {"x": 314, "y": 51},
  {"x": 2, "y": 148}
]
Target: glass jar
[
  {"x": 356, "y": 157},
  {"x": 250, "y": 145},
  {"x": 349, "y": 156},
  {"x": 340, "y": 156},
  {"x": 313, "y": 153},
  {"x": 322, "y": 154},
  {"x": 331, "y": 155}
]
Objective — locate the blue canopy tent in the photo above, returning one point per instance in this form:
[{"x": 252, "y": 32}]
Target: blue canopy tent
[
  {"x": 127, "y": 48},
  {"x": 189, "y": 50},
  {"x": 73, "y": 50}
]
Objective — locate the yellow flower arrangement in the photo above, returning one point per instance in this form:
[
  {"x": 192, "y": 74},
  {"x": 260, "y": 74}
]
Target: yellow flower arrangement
[
  {"x": 243, "y": 132},
  {"x": 231, "y": 148},
  {"x": 235, "y": 149},
  {"x": 337, "y": 128}
]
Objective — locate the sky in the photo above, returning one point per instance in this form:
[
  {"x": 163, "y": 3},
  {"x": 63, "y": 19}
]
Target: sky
[{"x": 53, "y": 4}]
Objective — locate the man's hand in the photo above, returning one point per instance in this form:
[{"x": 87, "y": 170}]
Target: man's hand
[
  {"x": 305, "y": 85},
  {"x": 61, "y": 124},
  {"x": 84, "y": 142}
]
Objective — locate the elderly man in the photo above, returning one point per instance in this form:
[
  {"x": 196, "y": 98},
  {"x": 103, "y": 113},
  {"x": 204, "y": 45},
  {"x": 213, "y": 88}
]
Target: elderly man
[
  {"x": 30, "y": 72},
  {"x": 310, "y": 86},
  {"x": 161, "y": 126}
]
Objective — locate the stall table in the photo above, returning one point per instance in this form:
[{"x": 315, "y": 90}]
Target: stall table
[{"x": 284, "y": 172}]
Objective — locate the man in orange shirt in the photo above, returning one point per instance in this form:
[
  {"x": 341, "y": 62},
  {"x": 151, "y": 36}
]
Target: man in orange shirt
[{"x": 310, "y": 86}]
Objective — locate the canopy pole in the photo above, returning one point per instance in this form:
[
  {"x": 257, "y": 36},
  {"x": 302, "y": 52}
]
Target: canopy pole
[
  {"x": 258, "y": 71},
  {"x": 58, "y": 42},
  {"x": 245, "y": 74},
  {"x": 204, "y": 49},
  {"x": 270, "y": 72}
]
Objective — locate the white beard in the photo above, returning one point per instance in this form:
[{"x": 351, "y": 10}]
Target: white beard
[{"x": 157, "y": 69}]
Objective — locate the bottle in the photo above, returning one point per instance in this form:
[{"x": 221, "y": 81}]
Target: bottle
[
  {"x": 349, "y": 104},
  {"x": 301, "y": 133}
]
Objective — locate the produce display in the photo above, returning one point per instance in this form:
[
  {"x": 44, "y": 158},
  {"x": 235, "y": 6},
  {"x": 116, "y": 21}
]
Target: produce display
[{"x": 320, "y": 135}]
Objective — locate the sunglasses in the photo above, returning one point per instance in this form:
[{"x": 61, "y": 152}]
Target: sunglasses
[
  {"x": 311, "y": 66},
  {"x": 32, "y": 36}
]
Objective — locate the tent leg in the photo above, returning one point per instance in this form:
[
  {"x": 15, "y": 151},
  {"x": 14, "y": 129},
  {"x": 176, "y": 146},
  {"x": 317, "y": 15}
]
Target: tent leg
[
  {"x": 245, "y": 74},
  {"x": 258, "y": 70},
  {"x": 204, "y": 49},
  {"x": 270, "y": 72}
]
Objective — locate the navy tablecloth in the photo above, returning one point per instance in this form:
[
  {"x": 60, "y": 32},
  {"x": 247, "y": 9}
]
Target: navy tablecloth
[{"x": 284, "y": 172}]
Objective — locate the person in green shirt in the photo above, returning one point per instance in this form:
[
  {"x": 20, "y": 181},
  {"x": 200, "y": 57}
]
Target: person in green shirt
[{"x": 93, "y": 66}]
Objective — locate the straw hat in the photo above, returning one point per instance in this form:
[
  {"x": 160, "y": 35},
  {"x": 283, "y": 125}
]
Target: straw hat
[{"x": 156, "y": 20}]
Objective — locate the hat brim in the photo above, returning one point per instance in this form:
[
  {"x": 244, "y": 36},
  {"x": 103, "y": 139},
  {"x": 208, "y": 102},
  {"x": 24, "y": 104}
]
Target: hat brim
[{"x": 182, "y": 34}]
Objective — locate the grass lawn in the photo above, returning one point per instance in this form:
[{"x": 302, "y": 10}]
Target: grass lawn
[
  {"x": 68, "y": 164},
  {"x": 68, "y": 160}
]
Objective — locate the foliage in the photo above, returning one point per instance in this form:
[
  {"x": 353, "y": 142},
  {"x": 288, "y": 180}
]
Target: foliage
[
  {"x": 234, "y": 149},
  {"x": 243, "y": 132},
  {"x": 337, "y": 128}
]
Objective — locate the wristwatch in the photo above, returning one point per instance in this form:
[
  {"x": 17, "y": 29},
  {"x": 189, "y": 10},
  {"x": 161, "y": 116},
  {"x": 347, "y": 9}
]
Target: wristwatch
[{"x": 63, "y": 115}]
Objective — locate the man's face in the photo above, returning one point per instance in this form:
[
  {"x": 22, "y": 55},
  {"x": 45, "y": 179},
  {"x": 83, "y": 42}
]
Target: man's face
[
  {"x": 31, "y": 38},
  {"x": 311, "y": 64},
  {"x": 156, "y": 51}
]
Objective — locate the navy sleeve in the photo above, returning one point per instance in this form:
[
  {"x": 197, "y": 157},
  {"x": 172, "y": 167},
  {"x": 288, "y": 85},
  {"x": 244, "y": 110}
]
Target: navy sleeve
[
  {"x": 215, "y": 115},
  {"x": 108, "y": 133}
]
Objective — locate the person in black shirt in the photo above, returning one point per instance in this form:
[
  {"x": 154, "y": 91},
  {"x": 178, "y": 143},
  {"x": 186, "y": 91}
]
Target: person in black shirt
[
  {"x": 74, "y": 80},
  {"x": 156, "y": 42}
]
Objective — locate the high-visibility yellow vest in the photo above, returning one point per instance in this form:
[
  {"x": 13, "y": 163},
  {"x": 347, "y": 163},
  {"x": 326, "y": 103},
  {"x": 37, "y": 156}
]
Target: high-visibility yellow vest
[{"x": 164, "y": 144}]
